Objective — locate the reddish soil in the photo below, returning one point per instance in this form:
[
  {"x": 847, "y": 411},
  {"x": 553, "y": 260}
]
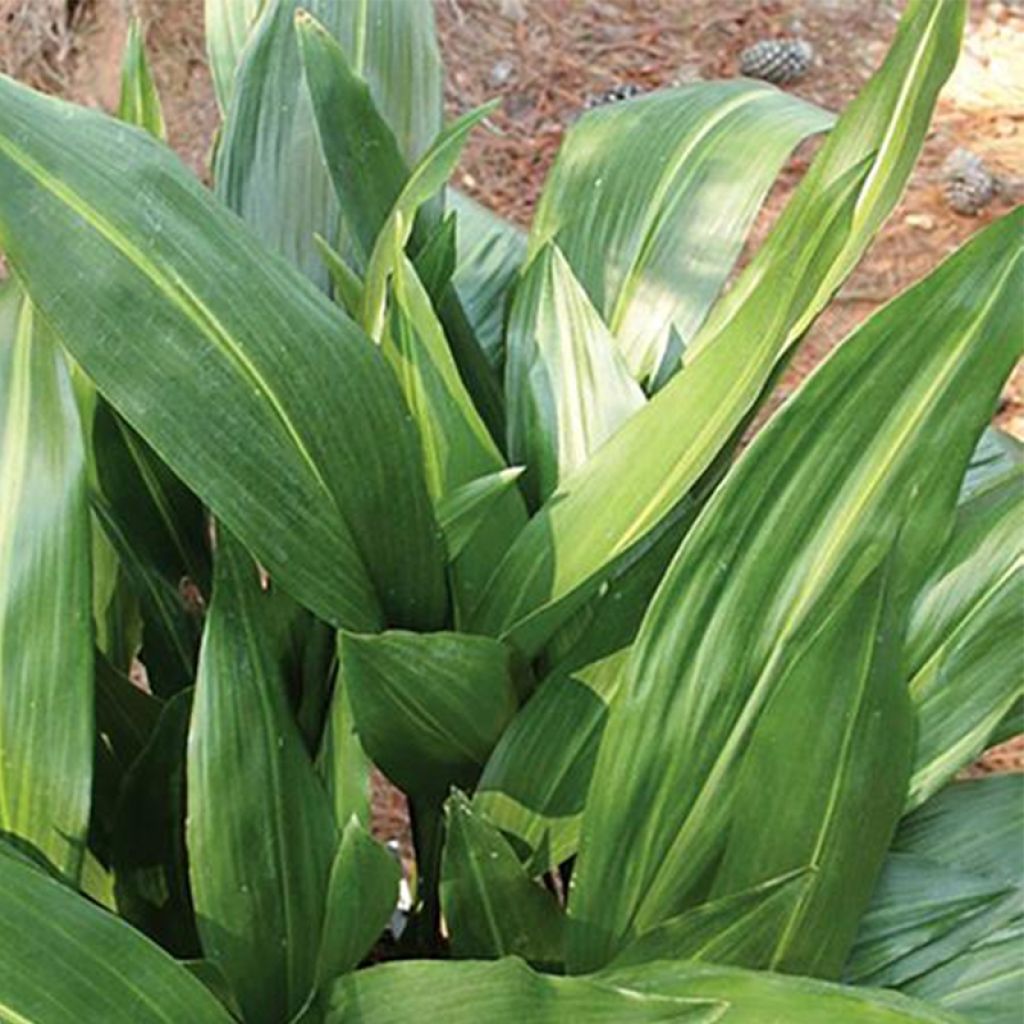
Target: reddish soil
[{"x": 545, "y": 57}]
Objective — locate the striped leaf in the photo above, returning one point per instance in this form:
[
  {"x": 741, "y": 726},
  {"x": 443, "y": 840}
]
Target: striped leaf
[
  {"x": 642, "y": 474},
  {"x": 645, "y": 202},
  {"x": 757, "y": 997},
  {"x": 140, "y": 102},
  {"x": 269, "y": 166},
  {"x": 291, "y": 405},
  {"x": 107, "y": 971},
  {"x": 567, "y": 388},
  {"x": 260, "y": 832},
  {"x": 46, "y": 653},
  {"x": 808, "y": 508},
  {"x": 964, "y": 657},
  {"x": 227, "y": 27},
  {"x": 502, "y": 992},
  {"x": 823, "y": 781}
]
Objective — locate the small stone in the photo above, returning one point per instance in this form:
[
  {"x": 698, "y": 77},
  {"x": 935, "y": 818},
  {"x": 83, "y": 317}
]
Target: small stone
[
  {"x": 969, "y": 185},
  {"x": 924, "y": 221},
  {"x": 501, "y": 73}
]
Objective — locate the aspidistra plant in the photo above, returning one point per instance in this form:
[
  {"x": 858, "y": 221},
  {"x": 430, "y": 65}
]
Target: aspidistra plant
[{"x": 332, "y": 467}]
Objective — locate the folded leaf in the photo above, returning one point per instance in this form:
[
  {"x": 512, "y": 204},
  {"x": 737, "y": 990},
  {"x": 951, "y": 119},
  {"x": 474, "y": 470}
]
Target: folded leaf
[
  {"x": 647, "y": 204},
  {"x": 501, "y": 992},
  {"x": 757, "y": 997},
  {"x": 342, "y": 763},
  {"x": 805, "y": 511},
  {"x": 964, "y": 657},
  {"x": 46, "y": 653},
  {"x": 260, "y": 832},
  {"x": 361, "y": 897},
  {"x": 108, "y": 971},
  {"x": 491, "y": 905},
  {"x": 567, "y": 388},
  {"x": 739, "y": 929},
  {"x": 638, "y": 477},
  {"x": 288, "y": 387},
  {"x": 996, "y": 455},
  {"x": 428, "y": 708}
]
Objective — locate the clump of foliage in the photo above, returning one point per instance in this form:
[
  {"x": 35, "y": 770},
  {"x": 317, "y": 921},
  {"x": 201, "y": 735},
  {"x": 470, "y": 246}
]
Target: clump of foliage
[{"x": 360, "y": 473}]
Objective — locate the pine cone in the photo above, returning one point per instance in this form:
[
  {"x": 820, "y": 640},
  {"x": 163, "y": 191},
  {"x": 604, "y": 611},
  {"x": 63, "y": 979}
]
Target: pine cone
[
  {"x": 778, "y": 61},
  {"x": 968, "y": 183},
  {"x": 617, "y": 94}
]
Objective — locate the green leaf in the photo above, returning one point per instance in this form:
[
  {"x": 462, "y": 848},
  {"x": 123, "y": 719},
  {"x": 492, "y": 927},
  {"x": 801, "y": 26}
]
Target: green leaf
[
  {"x": 985, "y": 984},
  {"x": 626, "y": 490},
  {"x": 428, "y": 708},
  {"x": 361, "y": 898},
  {"x": 923, "y": 914},
  {"x": 757, "y": 997},
  {"x": 824, "y": 778},
  {"x": 650, "y": 202},
  {"x": 46, "y": 652},
  {"x": 996, "y": 455},
  {"x": 491, "y": 905},
  {"x": 489, "y": 252},
  {"x": 140, "y": 102},
  {"x": 157, "y": 528},
  {"x": 501, "y": 992},
  {"x": 365, "y": 165},
  {"x": 269, "y": 165},
  {"x": 467, "y": 508},
  {"x": 288, "y": 386},
  {"x": 567, "y": 388},
  {"x": 535, "y": 782},
  {"x": 67, "y": 961},
  {"x": 457, "y": 448},
  {"x": 227, "y": 27},
  {"x": 427, "y": 179},
  {"x": 148, "y": 850},
  {"x": 964, "y": 657},
  {"x": 738, "y": 929},
  {"x": 808, "y": 508},
  {"x": 260, "y": 832},
  {"x": 974, "y": 825},
  {"x": 341, "y": 761}
]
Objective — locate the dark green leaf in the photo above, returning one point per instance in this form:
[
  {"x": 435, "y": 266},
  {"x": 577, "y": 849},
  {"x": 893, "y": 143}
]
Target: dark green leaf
[
  {"x": 260, "y": 832},
  {"x": 491, "y": 905},
  {"x": 428, "y": 708}
]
